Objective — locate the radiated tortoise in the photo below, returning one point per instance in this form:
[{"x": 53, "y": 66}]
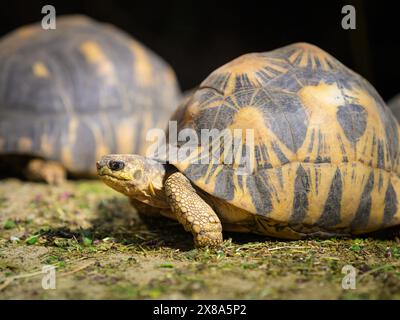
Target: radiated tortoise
[
  {"x": 70, "y": 95},
  {"x": 324, "y": 161}
]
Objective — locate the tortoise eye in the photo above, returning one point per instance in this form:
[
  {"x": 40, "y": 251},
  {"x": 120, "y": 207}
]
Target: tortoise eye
[
  {"x": 116, "y": 165},
  {"x": 137, "y": 174}
]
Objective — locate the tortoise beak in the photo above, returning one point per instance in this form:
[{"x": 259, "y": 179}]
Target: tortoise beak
[{"x": 102, "y": 170}]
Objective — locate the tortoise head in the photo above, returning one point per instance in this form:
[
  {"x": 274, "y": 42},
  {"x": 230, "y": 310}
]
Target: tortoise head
[{"x": 135, "y": 176}]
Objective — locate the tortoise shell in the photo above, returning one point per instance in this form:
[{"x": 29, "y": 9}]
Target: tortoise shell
[
  {"x": 325, "y": 153},
  {"x": 394, "y": 105},
  {"x": 80, "y": 91}
]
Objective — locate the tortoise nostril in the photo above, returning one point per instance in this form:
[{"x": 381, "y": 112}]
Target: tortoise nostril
[
  {"x": 116, "y": 165},
  {"x": 98, "y": 165}
]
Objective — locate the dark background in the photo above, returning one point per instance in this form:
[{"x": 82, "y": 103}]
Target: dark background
[{"x": 196, "y": 37}]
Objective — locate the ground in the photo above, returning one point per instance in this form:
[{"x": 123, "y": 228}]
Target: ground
[{"x": 102, "y": 250}]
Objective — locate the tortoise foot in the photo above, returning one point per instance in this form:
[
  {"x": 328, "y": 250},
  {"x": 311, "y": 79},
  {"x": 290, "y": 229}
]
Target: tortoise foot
[{"x": 48, "y": 171}]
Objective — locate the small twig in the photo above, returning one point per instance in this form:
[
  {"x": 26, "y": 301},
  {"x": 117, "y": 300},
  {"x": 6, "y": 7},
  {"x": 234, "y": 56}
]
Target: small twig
[
  {"x": 20, "y": 276},
  {"x": 288, "y": 247},
  {"x": 9, "y": 280},
  {"x": 84, "y": 266},
  {"x": 6, "y": 283},
  {"x": 377, "y": 269},
  {"x": 331, "y": 258}
]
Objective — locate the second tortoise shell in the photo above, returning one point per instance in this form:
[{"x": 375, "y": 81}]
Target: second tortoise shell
[{"x": 80, "y": 91}]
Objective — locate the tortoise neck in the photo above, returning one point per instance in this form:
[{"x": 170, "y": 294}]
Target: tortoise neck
[{"x": 154, "y": 193}]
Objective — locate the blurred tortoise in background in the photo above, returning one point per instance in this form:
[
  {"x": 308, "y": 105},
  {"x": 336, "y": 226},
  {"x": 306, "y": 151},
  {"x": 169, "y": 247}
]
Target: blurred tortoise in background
[
  {"x": 325, "y": 158},
  {"x": 70, "y": 95}
]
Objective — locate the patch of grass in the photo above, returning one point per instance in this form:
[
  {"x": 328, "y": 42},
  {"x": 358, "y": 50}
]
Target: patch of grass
[
  {"x": 102, "y": 249},
  {"x": 32, "y": 240},
  {"x": 87, "y": 241},
  {"x": 247, "y": 266},
  {"x": 167, "y": 265},
  {"x": 395, "y": 251},
  {"x": 125, "y": 292},
  {"x": 88, "y": 187},
  {"x": 86, "y": 238},
  {"x": 54, "y": 260},
  {"x": 9, "y": 224}
]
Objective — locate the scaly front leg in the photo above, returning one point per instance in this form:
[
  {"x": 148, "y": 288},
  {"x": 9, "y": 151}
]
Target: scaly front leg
[{"x": 193, "y": 212}]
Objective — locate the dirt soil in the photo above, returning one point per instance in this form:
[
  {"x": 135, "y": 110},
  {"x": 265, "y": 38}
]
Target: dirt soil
[{"x": 102, "y": 250}]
